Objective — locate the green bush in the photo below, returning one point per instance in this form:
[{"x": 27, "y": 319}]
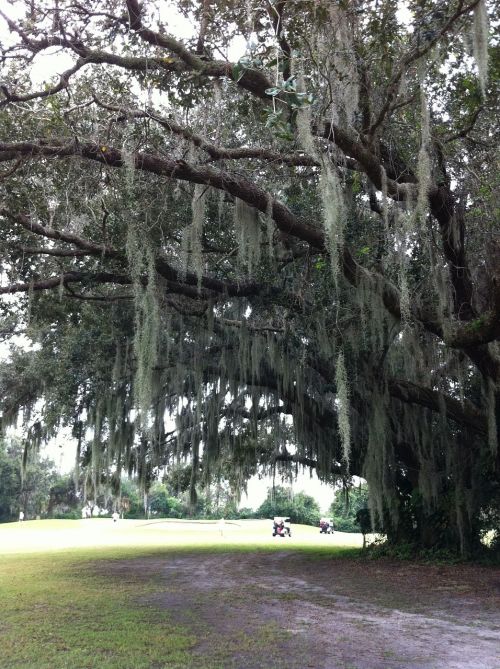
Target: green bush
[
  {"x": 345, "y": 508},
  {"x": 280, "y": 501}
]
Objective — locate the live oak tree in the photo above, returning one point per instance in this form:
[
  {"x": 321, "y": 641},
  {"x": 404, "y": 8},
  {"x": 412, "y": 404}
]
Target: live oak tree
[{"x": 272, "y": 222}]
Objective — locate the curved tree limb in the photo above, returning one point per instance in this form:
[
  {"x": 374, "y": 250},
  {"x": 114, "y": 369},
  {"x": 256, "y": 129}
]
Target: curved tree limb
[
  {"x": 258, "y": 198},
  {"x": 47, "y": 92}
]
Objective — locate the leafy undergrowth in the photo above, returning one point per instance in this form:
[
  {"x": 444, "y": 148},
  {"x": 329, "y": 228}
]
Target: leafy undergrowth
[{"x": 437, "y": 556}]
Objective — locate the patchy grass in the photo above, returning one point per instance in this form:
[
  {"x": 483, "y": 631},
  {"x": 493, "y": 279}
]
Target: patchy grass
[
  {"x": 58, "y": 613},
  {"x": 172, "y": 595},
  {"x": 62, "y": 608},
  {"x": 176, "y": 594}
]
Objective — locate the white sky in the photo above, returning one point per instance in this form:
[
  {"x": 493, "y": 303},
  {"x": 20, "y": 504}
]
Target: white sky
[{"x": 311, "y": 485}]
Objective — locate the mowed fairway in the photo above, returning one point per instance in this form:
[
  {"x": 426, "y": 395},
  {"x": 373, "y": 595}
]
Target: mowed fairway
[
  {"x": 172, "y": 594},
  {"x": 48, "y": 535}
]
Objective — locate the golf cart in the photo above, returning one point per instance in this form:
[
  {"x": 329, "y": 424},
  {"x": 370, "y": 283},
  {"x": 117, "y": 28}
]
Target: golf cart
[
  {"x": 326, "y": 526},
  {"x": 281, "y": 527}
]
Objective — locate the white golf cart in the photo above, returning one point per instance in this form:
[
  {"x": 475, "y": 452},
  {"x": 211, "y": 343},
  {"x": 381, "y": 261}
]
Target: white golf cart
[{"x": 281, "y": 527}]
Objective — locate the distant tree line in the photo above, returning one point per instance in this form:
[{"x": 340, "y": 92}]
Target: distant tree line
[
  {"x": 42, "y": 491},
  {"x": 27, "y": 487},
  {"x": 216, "y": 502},
  {"x": 349, "y": 507}
]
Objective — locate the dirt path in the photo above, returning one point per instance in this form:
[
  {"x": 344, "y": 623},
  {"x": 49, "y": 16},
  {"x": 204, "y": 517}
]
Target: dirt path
[{"x": 251, "y": 611}]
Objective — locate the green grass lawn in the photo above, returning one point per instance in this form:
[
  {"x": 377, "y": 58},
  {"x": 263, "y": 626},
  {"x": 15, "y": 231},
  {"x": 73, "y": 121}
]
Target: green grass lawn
[
  {"x": 58, "y": 610},
  {"x": 57, "y": 613}
]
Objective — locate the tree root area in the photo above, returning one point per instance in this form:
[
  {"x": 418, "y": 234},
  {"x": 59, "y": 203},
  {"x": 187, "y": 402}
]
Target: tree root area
[{"x": 254, "y": 610}]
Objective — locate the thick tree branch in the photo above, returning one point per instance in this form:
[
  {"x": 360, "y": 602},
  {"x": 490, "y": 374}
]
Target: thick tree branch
[
  {"x": 442, "y": 206},
  {"x": 204, "y": 21},
  {"x": 60, "y": 235},
  {"x": 61, "y": 253},
  {"x": 262, "y": 414},
  {"x": 336, "y": 469},
  {"x": 464, "y": 414},
  {"x": 254, "y": 81},
  {"x": 64, "y": 279},
  {"x": 256, "y": 197},
  {"x": 174, "y": 169},
  {"x": 251, "y": 327},
  {"x": 185, "y": 283},
  {"x": 215, "y": 152},
  {"x": 459, "y": 134},
  {"x": 276, "y": 11}
]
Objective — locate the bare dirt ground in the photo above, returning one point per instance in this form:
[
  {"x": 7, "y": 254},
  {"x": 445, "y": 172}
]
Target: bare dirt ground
[{"x": 277, "y": 610}]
